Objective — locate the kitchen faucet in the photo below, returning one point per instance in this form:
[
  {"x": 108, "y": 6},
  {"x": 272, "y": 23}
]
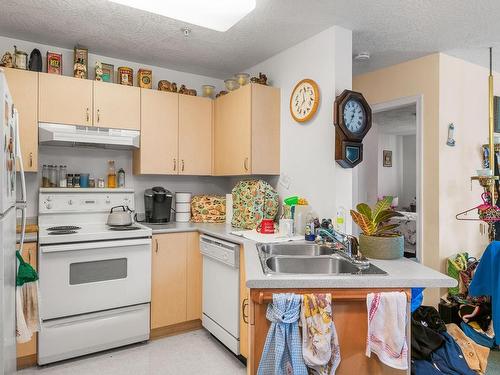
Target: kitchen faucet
[{"x": 350, "y": 245}]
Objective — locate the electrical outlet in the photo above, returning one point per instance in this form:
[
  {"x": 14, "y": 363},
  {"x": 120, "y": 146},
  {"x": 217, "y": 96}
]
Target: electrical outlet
[{"x": 285, "y": 181}]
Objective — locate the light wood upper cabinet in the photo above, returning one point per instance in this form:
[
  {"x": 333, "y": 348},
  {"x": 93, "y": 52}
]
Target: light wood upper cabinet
[
  {"x": 64, "y": 100},
  {"x": 117, "y": 106},
  {"x": 159, "y": 133},
  {"x": 247, "y": 131},
  {"x": 169, "y": 279},
  {"x": 195, "y": 135},
  {"x": 194, "y": 276},
  {"x": 28, "y": 349},
  {"x": 232, "y": 132},
  {"x": 23, "y": 86}
]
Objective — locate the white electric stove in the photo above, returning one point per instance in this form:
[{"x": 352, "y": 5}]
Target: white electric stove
[{"x": 95, "y": 280}]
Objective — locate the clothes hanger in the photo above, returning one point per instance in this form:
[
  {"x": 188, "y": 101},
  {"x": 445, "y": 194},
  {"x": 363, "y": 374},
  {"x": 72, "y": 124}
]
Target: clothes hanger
[{"x": 486, "y": 211}]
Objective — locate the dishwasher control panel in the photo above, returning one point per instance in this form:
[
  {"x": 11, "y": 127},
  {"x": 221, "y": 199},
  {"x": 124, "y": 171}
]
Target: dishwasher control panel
[{"x": 223, "y": 251}]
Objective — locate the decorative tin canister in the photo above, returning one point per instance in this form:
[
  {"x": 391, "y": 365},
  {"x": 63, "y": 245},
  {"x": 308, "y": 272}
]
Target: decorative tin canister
[{"x": 125, "y": 76}]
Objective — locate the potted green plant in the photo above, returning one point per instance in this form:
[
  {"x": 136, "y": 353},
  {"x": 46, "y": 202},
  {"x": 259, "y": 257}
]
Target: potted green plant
[{"x": 379, "y": 239}]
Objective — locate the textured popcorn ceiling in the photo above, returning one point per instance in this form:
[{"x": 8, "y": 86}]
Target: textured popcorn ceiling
[{"x": 392, "y": 31}]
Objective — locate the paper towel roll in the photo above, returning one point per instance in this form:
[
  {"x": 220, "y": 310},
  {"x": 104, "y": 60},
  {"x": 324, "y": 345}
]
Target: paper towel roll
[{"x": 229, "y": 208}]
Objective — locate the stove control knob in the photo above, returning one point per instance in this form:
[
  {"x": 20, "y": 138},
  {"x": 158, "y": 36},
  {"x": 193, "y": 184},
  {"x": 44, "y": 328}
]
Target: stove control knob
[
  {"x": 49, "y": 198},
  {"x": 108, "y": 201},
  {"x": 49, "y": 206},
  {"x": 70, "y": 202}
]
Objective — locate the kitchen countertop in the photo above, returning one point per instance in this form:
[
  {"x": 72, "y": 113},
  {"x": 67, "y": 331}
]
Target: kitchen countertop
[{"x": 401, "y": 273}]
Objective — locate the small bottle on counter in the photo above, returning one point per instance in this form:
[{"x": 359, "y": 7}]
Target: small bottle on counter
[
  {"x": 91, "y": 182},
  {"x": 69, "y": 180},
  {"x": 76, "y": 180},
  {"x": 63, "y": 182},
  {"x": 45, "y": 176},
  {"x": 100, "y": 182},
  {"x": 111, "y": 174},
  {"x": 52, "y": 175},
  {"x": 121, "y": 178}
]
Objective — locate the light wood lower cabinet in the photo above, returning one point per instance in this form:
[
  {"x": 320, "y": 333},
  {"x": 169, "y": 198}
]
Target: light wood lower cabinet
[
  {"x": 26, "y": 353},
  {"x": 23, "y": 86},
  {"x": 176, "y": 279},
  {"x": 244, "y": 307},
  {"x": 349, "y": 316},
  {"x": 64, "y": 100},
  {"x": 194, "y": 277}
]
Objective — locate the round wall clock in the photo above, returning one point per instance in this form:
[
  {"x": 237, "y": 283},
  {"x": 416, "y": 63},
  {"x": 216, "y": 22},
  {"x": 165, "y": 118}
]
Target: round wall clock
[{"x": 304, "y": 100}]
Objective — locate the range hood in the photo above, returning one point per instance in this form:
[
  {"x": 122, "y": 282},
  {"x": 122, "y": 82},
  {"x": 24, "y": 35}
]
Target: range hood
[{"x": 87, "y": 136}]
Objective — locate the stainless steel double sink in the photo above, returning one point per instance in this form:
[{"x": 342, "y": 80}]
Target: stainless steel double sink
[{"x": 302, "y": 258}]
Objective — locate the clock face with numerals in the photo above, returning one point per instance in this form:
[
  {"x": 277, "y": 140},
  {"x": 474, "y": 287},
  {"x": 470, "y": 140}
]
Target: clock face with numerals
[
  {"x": 304, "y": 100},
  {"x": 354, "y": 116}
]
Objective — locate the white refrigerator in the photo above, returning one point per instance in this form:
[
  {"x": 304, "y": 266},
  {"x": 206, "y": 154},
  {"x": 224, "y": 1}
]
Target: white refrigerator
[{"x": 9, "y": 158}]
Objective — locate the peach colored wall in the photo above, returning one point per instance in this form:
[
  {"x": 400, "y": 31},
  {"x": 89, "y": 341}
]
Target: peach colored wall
[
  {"x": 412, "y": 78},
  {"x": 463, "y": 100},
  {"x": 455, "y": 91}
]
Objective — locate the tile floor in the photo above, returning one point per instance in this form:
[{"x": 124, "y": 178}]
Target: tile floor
[{"x": 194, "y": 352}]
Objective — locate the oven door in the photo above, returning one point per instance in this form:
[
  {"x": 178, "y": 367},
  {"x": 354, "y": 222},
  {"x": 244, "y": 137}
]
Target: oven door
[{"x": 93, "y": 276}]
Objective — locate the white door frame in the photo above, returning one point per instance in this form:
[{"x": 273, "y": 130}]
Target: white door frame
[{"x": 418, "y": 100}]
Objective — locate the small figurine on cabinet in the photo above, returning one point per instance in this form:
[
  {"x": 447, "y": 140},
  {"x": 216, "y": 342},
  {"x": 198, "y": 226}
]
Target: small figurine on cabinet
[
  {"x": 80, "y": 69},
  {"x": 183, "y": 89},
  {"x": 81, "y": 62},
  {"x": 192, "y": 92},
  {"x": 165, "y": 85},
  {"x": 7, "y": 60},
  {"x": 98, "y": 71},
  {"x": 261, "y": 79},
  {"x": 221, "y": 93}
]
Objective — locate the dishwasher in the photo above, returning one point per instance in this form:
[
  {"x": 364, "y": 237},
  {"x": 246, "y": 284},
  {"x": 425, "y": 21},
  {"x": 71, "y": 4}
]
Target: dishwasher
[{"x": 221, "y": 290}]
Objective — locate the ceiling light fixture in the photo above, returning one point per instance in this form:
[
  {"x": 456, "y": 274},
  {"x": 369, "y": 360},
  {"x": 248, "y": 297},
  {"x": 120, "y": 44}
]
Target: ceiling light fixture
[{"x": 219, "y": 15}]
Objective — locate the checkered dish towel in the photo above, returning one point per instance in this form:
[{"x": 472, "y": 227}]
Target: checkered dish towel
[
  {"x": 282, "y": 354},
  {"x": 386, "y": 335}
]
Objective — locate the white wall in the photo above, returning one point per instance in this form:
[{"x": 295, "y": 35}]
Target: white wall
[
  {"x": 94, "y": 161},
  {"x": 307, "y": 150},
  {"x": 390, "y": 178},
  {"x": 409, "y": 190},
  {"x": 190, "y": 80}
]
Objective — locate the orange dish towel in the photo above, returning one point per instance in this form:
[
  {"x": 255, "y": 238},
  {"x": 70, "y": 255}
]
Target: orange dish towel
[{"x": 387, "y": 319}]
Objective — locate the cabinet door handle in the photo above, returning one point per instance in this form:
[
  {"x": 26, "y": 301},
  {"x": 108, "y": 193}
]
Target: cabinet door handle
[
  {"x": 29, "y": 256},
  {"x": 182, "y": 165},
  {"x": 98, "y": 115},
  {"x": 31, "y": 159},
  {"x": 175, "y": 164},
  {"x": 156, "y": 245},
  {"x": 245, "y": 164},
  {"x": 88, "y": 114},
  {"x": 244, "y": 305}
]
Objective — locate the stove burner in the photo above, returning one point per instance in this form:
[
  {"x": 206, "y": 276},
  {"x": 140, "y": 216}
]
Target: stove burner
[
  {"x": 124, "y": 228},
  {"x": 62, "y": 232},
  {"x": 64, "y": 228}
]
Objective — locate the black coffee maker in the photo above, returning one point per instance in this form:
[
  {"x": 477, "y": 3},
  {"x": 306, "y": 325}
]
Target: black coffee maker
[{"x": 157, "y": 205}]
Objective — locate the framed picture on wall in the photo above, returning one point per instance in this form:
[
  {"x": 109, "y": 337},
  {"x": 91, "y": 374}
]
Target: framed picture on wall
[{"x": 387, "y": 158}]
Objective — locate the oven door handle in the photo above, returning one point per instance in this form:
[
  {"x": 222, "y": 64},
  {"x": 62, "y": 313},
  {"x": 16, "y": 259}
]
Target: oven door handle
[{"x": 94, "y": 245}]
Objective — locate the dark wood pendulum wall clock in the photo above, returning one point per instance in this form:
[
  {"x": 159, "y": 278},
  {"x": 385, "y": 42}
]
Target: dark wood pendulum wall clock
[{"x": 352, "y": 117}]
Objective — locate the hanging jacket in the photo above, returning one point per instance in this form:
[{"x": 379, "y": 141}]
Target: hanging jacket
[
  {"x": 486, "y": 281},
  {"x": 282, "y": 354}
]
